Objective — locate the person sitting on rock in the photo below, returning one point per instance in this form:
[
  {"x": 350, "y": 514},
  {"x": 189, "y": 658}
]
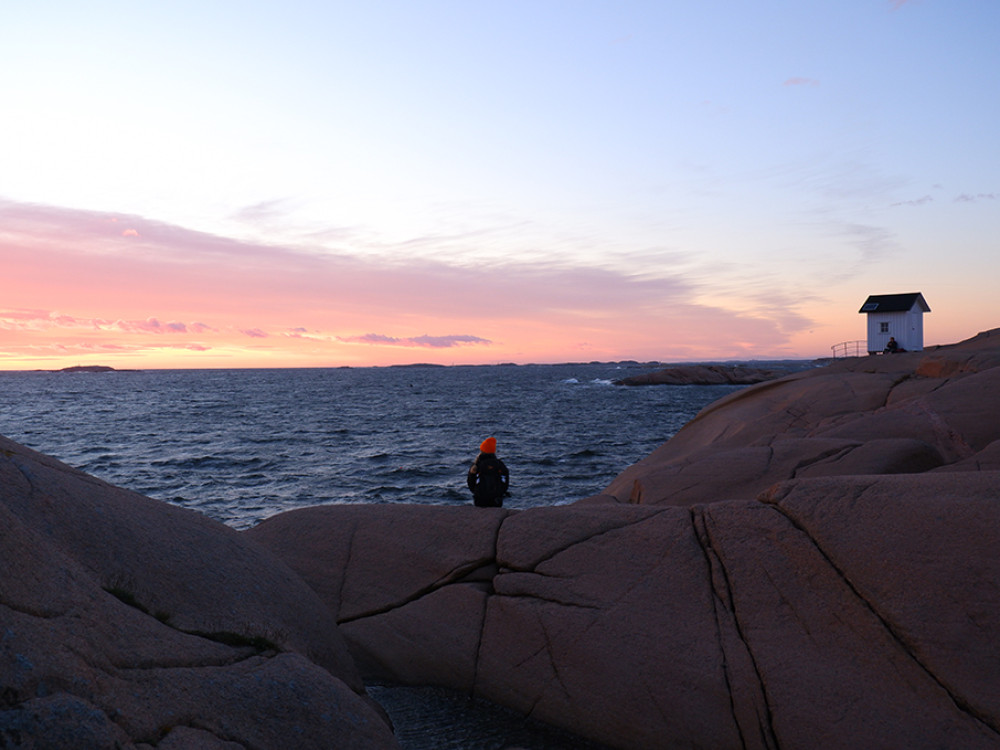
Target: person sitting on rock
[
  {"x": 488, "y": 477},
  {"x": 892, "y": 346}
]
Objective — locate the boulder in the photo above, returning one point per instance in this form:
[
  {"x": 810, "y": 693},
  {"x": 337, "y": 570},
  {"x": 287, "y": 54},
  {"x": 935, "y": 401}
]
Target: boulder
[
  {"x": 979, "y": 353},
  {"x": 387, "y": 600},
  {"x": 128, "y": 622},
  {"x": 704, "y": 375},
  {"x": 905, "y": 413},
  {"x": 792, "y": 620}
]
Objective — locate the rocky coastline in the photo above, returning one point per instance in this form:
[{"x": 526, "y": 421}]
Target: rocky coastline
[
  {"x": 698, "y": 374},
  {"x": 811, "y": 562}
]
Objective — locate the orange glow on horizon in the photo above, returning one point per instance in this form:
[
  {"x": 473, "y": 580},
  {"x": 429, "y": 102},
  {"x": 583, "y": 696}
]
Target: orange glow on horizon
[{"x": 77, "y": 291}]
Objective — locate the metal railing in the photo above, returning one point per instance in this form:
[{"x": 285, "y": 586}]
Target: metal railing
[{"x": 850, "y": 349}]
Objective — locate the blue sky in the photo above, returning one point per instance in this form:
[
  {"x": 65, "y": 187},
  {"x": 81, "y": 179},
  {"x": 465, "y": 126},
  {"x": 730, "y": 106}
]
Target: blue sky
[{"x": 766, "y": 165}]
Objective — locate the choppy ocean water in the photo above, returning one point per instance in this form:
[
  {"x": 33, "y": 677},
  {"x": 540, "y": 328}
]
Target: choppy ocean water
[{"x": 241, "y": 445}]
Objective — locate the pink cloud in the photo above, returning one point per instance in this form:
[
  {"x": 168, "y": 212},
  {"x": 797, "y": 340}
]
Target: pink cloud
[
  {"x": 443, "y": 342},
  {"x": 100, "y": 347},
  {"x": 433, "y": 342},
  {"x": 78, "y": 348},
  {"x": 304, "y": 334},
  {"x": 130, "y": 233},
  {"x": 370, "y": 338},
  {"x": 41, "y": 320},
  {"x": 215, "y": 293},
  {"x": 151, "y": 325}
]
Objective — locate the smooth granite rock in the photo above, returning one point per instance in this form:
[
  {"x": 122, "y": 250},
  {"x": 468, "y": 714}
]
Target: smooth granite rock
[
  {"x": 813, "y": 562},
  {"x": 381, "y": 596},
  {"x": 129, "y": 622},
  {"x": 829, "y": 613},
  {"x": 704, "y": 375},
  {"x": 902, "y": 413}
]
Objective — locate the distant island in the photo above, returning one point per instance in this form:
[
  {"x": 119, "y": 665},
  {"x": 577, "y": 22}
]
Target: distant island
[
  {"x": 708, "y": 374},
  {"x": 90, "y": 368}
]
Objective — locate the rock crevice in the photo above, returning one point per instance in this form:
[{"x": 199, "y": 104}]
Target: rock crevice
[
  {"x": 735, "y": 650},
  {"x": 455, "y": 577},
  {"x": 990, "y": 721}
]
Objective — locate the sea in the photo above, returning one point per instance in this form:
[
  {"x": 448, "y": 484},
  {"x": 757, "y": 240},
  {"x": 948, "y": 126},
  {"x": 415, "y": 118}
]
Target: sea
[{"x": 242, "y": 445}]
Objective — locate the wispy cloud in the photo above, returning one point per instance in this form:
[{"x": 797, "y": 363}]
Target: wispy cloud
[
  {"x": 263, "y": 212},
  {"x": 432, "y": 342},
  {"x": 800, "y": 81},
  {"x": 961, "y": 198},
  {"x": 916, "y": 202},
  {"x": 303, "y": 333},
  {"x": 873, "y": 242},
  {"x": 75, "y": 279},
  {"x": 38, "y": 320},
  {"x": 444, "y": 342},
  {"x": 151, "y": 325}
]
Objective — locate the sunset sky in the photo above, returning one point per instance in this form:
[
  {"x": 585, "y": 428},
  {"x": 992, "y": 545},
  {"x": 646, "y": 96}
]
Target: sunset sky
[{"x": 284, "y": 184}]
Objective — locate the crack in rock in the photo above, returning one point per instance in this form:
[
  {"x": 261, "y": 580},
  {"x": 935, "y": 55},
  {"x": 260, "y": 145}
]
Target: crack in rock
[
  {"x": 892, "y": 387},
  {"x": 556, "y": 551},
  {"x": 239, "y": 656},
  {"x": 42, "y": 614},
  {"x": 347, "y": 563},
  {"x": 898, "y": 638},
  {"x": 480, "y": 637},
  {"x": 835, "y": 453},
  {"x": 456, "y": 576},
  {"x": 724, "y": 605},
  {"x": 556, "y": 678},
  {"x": 548, "y": 646}
]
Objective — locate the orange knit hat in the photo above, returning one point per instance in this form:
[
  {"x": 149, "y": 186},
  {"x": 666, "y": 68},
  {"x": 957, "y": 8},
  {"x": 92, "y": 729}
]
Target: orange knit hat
[{"x": 489, "y": 445}]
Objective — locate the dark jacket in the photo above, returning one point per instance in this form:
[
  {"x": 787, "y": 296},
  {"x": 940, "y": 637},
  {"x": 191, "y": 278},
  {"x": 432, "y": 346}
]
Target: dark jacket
[{"x": 489, "y": 480}]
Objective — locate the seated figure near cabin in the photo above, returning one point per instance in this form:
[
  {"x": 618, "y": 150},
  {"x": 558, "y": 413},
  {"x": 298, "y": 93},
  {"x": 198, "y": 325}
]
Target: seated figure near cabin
[{"x": 893, "y": 346}]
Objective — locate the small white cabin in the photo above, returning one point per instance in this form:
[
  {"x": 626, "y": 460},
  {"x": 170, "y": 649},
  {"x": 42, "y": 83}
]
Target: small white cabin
[{"x": 900, "y": 316}]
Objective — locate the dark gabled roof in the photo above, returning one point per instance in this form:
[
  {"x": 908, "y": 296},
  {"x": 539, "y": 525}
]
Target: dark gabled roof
[{"x": 884, "y": 303}]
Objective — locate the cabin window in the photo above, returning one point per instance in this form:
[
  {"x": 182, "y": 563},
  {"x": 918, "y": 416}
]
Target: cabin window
[{"x": 883, "y": 328}]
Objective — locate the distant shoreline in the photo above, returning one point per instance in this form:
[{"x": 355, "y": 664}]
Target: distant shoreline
[
  {"x": 87, "y": 368},
  {"x": 653, "y": 365}
]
